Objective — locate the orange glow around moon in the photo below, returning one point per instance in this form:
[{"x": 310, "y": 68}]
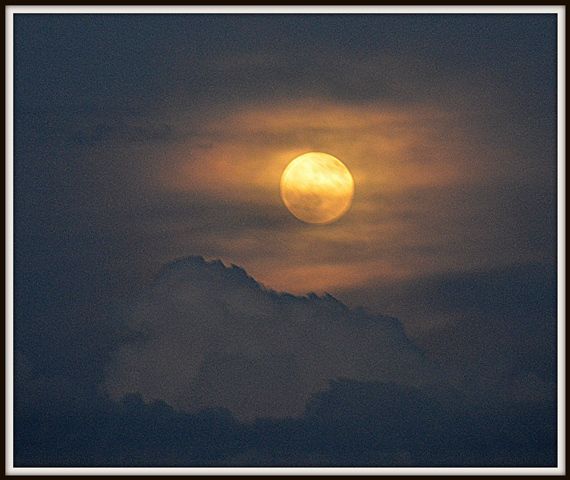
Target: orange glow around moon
[{"x": 317, "y": 188}]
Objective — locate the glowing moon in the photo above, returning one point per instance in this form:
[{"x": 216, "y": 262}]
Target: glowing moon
[{"x": 317, "y": 188}]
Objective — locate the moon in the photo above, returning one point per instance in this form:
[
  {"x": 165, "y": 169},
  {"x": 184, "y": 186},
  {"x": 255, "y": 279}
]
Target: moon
[{"x": 317, "y": 188}]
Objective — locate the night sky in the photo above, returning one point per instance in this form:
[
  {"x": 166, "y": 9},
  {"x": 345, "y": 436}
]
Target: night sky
[{"x": 170, "y": 311}]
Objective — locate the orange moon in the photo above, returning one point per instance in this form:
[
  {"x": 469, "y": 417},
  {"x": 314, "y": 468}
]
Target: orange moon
[{"x": 317, "y": 188}]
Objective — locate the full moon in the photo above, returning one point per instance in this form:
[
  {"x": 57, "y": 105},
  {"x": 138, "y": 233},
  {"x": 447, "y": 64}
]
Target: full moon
[{"x": 317, "y": 188}]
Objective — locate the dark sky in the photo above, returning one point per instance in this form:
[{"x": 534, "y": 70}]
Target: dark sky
[{"x": 142, "y": 139}]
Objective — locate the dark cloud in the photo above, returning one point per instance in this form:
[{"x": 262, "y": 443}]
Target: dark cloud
[
  {"x": 128, "y": 63},
  {"x": 211, "y": 336},
  {"x": 496, "y": 328},
  {"x": 347, "y": 424}
]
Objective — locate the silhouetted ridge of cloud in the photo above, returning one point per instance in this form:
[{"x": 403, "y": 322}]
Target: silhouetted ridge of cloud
[
  {"x": 210, "y": 335},
  {"x": 196, "y": 268}
]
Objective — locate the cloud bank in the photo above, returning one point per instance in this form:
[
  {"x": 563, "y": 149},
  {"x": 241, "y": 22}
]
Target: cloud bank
[
  {"x": 207, "y": 335},
  {"x": 347, "y": 424},
  {"x": 217, "y": 370}
]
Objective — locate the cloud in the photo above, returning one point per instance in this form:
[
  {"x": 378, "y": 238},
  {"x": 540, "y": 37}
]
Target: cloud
[
  {"x": 349, "y": 423},
  {"x": 218, "y": 370},
  {"x": 211, "y": 336},
  {"x": 494, "y": 328}
]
